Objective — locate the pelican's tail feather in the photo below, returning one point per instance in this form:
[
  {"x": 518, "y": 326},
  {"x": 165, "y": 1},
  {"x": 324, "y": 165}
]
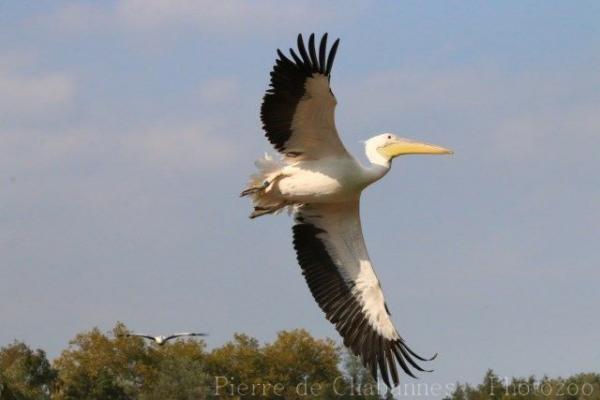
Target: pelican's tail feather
[{"x": 262, "y": 187}]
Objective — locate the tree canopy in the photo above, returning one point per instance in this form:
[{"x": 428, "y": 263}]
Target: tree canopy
[
  {"x": 24, "y": 373},
  {"x": 584, "y": 386},
  {"x": 100, "y": 365},
  {"x": 111, "y": 366}
]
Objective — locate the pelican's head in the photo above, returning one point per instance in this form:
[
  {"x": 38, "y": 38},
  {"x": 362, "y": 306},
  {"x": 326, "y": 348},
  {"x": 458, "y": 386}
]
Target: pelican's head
[{"x": 381, "y": 149}]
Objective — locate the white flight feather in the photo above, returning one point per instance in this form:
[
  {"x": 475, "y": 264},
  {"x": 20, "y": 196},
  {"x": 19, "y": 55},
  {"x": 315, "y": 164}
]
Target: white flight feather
[{"x": 344, "y": 242}]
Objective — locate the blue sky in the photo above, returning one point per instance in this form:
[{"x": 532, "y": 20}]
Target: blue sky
[{"x": 128, "y": 129}]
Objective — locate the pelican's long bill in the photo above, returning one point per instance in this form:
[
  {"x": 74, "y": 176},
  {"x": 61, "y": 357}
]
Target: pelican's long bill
[{"x": 402, "y": 147}]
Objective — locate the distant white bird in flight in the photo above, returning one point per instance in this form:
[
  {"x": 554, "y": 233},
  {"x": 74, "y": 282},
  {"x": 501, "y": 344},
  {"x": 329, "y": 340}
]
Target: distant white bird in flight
[
  {"x": 322, "y": 183},
  {"x": 160, "y": 340}
]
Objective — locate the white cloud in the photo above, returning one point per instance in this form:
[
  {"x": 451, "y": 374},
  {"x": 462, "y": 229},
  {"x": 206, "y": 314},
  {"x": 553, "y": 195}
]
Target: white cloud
[
  {"x": 230, "y": 17},
  {"x": 508, "y": 115},
  {"x": 566, "y": 134},
  {"x": 37, "y": 95},
  {"x": 36, "y": 134},
  {"x": 15, "y": 59},
  {"x": 44, "y": 151},
  {"x": 220, "y": 90},
  {"x": 76, "y": 17},
  {"x": 405, "y": 92},
  {"x": 183, "y": 147},
  {"x": 179, "y": 147},
  {"x": 29, "y": 100}
]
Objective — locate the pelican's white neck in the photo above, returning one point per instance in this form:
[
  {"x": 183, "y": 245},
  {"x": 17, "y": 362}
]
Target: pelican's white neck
[
  {"x": 380, "y": 164},
  {"x": 375, "y": 157}
]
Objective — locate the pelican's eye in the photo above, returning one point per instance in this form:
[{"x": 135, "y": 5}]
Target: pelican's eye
[{"x": 389, "y": 136}]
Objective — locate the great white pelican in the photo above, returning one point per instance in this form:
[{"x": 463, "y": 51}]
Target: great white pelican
[
  {"x": 161, "y": 340},
  {"x": 321, "y": 183}
]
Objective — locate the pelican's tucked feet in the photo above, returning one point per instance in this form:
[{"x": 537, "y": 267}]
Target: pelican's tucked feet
[
  {"x": 259, "y": 211},
  {"x": 255, "y": 189}
]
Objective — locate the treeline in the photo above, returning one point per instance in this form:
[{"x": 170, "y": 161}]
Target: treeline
[
  {"x": 580, "y": 386},
  {"x": 110, "y": 366}
]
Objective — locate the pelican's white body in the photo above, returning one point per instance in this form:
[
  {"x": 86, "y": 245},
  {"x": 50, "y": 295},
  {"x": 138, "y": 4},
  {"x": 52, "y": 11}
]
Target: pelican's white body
[{"x": 328, "y": 180}]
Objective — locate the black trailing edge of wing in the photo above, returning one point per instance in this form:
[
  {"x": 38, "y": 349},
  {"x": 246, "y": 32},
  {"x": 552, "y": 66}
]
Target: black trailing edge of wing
[
  {"x": 286, "y": 88},
  {"x": 343, "y": 309}
]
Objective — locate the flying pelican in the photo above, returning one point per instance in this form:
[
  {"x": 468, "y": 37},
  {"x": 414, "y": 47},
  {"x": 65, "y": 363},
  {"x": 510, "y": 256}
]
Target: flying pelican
[
  {"x": 161, "y": 340},
  {"x": 321, "y": 183}
]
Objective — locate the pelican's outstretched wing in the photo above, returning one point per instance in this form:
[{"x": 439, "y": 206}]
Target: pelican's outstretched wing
[
  {"x": 190, "y": 334},
  {"x": 142, "y": 336},
  {"x": 180, "y": 334},
  {"x": 331, "y": 251},
  {"x": 298, "y": 109}
]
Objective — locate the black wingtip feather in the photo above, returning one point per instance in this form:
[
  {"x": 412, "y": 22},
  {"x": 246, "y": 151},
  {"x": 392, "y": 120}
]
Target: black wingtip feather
[
  {"x": 331, "y": 57},
  {"x": 282, "y": 56},
  {"x": 381, "y": 360},
  {"x": 418, "y": 356},
  {"x": 392, "y": 365},
  {"x": 296, "y": 58},
  {"x": 401, "y": 361},
  {"x": 306, "y": 61},
  {"x": 412, "y": 362},
  {"x": 313, "y": 53},
  {"x": 323, "y": 53}
]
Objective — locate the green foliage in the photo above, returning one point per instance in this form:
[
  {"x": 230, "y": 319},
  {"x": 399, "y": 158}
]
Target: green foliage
[
  {"x": 111, "y": 366},
  {"x": 179, "y": 378},
  {"x": 576, "y": 387},
  {"x": 294, "y": 366},
  {"x": 97, "y": 366},
  {"x": 24, "y": 373}
]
